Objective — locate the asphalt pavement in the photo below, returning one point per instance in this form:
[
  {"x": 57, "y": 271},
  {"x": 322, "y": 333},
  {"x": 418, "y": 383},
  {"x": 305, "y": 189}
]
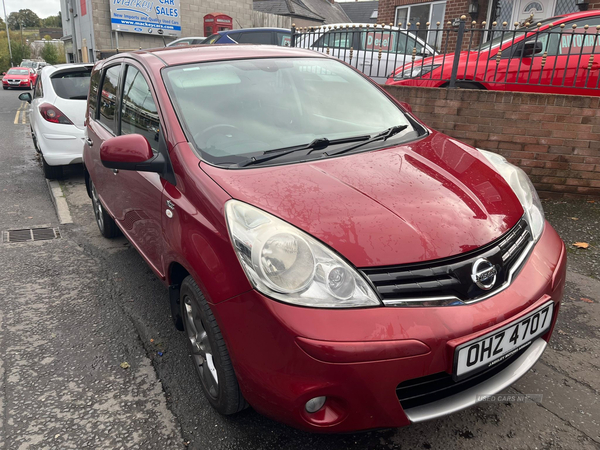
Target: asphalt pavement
[{"x": 73, "y": 309}]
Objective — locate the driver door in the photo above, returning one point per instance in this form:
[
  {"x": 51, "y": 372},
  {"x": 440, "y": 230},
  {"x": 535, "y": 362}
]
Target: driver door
[{"x": 138, "y": 205}]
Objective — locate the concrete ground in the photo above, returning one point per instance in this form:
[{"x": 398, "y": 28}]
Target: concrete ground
[{"x": 75, "y": 308}]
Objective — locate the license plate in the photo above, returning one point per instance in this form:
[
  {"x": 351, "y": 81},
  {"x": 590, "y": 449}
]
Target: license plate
[{"x": 498, "y": 345}]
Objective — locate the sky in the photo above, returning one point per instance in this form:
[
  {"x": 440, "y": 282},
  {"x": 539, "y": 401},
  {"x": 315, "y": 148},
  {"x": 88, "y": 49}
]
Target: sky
[{"x": 42, "y": 8}]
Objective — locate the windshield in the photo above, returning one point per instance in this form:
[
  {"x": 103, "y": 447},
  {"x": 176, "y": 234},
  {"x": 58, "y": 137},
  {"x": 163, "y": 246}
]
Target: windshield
[
  {"x": 72, "y": 85},
  {"x": 501, "y": 35},
  {"x": 211, "y": 39},
  {"x": 18, "y": 72},
  {"x": 236, "y": 109},
  {"x": 28, "y": 64}
]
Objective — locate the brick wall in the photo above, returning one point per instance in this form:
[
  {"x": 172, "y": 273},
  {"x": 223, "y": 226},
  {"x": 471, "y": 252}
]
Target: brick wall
[{"x": 554, "y": 138}]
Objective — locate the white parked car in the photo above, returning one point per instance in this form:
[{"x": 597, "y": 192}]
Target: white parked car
[
  {"x": 360, "y": 45},
  {"x": 57, "y": 114},
  {"x": 186, "y": 41}
]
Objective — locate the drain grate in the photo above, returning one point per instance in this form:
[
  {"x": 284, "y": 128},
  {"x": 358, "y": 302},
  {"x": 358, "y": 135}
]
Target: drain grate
[{"x": 30, "y": 234}]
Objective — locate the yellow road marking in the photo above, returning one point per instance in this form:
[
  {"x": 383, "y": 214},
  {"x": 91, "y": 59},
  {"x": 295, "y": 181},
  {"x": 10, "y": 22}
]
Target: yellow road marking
[{"x": 23, "y": 116}]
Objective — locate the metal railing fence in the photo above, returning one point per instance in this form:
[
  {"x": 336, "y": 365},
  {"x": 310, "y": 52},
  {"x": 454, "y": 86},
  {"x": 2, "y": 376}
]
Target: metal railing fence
[{"x": 540, "y": 55}]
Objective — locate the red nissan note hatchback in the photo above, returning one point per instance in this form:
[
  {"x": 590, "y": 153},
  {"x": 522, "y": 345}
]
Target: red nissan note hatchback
[{"x": 335, "y": 263}]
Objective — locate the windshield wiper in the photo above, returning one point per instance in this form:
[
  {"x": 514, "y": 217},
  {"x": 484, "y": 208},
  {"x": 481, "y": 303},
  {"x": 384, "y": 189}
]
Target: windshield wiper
[
  {"x": 383, "y": 136},
  {"x": 316, "y": 144}
]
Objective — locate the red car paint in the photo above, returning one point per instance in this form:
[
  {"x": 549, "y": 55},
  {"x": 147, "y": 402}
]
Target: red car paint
[
  {"x": 25, "y": 81},
  {"x": 428, "y": 199},
  {"x": 552, "y": 74}
]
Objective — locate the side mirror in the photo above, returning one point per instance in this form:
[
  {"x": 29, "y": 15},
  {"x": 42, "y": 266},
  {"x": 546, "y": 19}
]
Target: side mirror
[
  {"x": 406, "y": 106},
  {"x": 131, "y": 152},
  {"x": 3, "y": 73},
  {"x": 26, "y": 97},
  {"x": 532, "y": 48}
]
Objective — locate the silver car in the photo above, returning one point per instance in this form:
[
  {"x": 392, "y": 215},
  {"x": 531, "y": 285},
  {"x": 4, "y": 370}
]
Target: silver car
[{"x": 375, "y": 51}]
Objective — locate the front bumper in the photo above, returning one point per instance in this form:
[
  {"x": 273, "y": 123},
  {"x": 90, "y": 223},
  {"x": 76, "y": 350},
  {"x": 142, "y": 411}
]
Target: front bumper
[{"x": 285, "y": 355}]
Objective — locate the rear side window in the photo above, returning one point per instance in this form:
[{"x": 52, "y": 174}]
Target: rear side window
[
  {"x": 72, "y": 85},
  {"x": 108, "y": 98},
  {"x": 138, "y": 110},
  {"x": 93, "y": 99},
  {"x": 257, "y": 37}
]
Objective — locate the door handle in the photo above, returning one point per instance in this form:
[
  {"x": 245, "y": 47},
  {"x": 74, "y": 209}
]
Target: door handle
[{"x": 89, "y": 142}]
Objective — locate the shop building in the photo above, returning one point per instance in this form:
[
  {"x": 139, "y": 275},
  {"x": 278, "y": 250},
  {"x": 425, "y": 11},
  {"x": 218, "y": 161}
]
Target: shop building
[{"x": 93, "y": 29}]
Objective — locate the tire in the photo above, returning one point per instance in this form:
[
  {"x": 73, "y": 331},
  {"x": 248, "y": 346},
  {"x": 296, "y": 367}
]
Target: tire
[
  {"x": 5, "y": 87},
  {"x": 35, "y": 143},
  {"x": 106, "y": 224},
  {"x": 209, "y": 352},
  {"x": 52, "y": 172}
]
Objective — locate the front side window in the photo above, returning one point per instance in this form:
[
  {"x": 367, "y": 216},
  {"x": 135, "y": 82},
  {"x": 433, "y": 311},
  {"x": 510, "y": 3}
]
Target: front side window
[
  {"x": 108, "y": 97},
  {"x": 93, "y": 94},
  {"x": 335, "y": 39},
  {"x": 238, "y": 109},
  {"x": 138, "y": 110}
]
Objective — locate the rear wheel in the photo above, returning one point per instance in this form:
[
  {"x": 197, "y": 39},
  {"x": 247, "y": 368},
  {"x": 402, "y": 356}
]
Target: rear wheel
[
  {"x": 209, "y": 352},
  {"x": 469, "y": 85},
  {"x": 106, "y": 224},
  {"x": 51, "y": 172}
]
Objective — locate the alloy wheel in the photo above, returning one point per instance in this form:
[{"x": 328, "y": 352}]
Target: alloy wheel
[
  {"x": 201, "y": 349},
  {"x": 97, "y": 209}
]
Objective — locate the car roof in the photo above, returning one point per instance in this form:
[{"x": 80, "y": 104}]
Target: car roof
[
  {"x": 253, "y": 30},
  {"x": 49, "y": 69},
  {"x": 580, "y": 14},
  {"x": 19, "y": 67},
  {"x": 225, "y": 52}
]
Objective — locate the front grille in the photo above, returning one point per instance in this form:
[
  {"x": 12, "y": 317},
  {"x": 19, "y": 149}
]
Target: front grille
[
  {"x": 420, "y": 391},
  {"x": 450, "y": 278}
]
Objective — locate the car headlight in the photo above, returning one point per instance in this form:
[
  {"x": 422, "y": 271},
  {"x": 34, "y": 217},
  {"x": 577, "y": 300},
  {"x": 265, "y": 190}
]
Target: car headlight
[
  {"x": 287, "y": 264},
  {"x": 415, "y": 70},
  {"x": 523, "y": 189}
]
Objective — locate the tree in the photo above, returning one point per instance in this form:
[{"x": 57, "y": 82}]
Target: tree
[
  {"x": 52, "y": 21},
  {"x": 50, "y": 53},
  {"x": 2, "y": 23},
  {"x": 20, "y": 52},
  {"x": 26, "y": 17}
]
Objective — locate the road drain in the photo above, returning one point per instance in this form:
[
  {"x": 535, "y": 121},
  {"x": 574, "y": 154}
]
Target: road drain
[{"x": 30, "y": 234}]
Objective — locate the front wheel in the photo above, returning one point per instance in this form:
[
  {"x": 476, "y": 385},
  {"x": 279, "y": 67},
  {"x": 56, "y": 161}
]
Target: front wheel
[
  {"x": 5, "y": 87},
  {"x": 106, "y": 224},
  {"x": 209, "y": 352}
]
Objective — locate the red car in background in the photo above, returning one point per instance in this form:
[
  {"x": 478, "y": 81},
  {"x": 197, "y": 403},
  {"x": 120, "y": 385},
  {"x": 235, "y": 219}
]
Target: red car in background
[
  {"x": 562, "y": 56},
  {"x": 19, "y": 77}
]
